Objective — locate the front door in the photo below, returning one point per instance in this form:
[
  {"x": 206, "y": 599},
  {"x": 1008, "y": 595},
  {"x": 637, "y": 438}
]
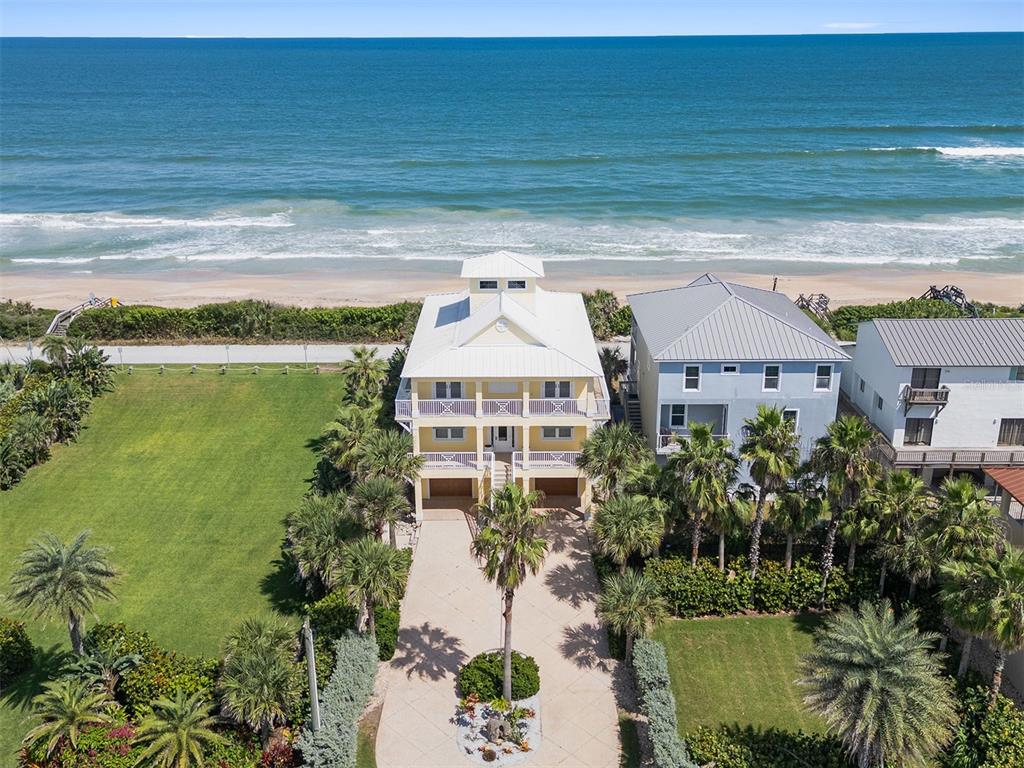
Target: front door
[{"x": 502, "y": 439}]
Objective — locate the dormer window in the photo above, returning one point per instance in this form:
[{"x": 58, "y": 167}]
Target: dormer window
[
  {"x": 488, "y": 285},
  {"x": 516, "y": 285}
]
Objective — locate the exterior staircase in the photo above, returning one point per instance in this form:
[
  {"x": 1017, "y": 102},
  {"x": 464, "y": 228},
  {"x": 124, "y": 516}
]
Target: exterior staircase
[
  {"x": 502, "y": 476},
  {"x": 62, "y": 320}
]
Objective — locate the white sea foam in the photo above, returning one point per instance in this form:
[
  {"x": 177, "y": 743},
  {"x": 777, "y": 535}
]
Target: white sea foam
[
  {"x": 113, "y": 220},
  {"x": 979, "y": 151}
]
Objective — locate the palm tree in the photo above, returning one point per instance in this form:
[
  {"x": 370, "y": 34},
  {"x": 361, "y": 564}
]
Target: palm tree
[
  {"x": 103, "y": 664},
  {"x": 510, "y": 545},
  {"x": 56, "y": 349},
  {"x": 857, "y": 527},
  {"x": 88, "y": 365},
  {"x": 388, "y": 452},
  {"x": 843, "y": 457},
  {"x": 380, "y": 501},
  {"x": 34, "y": 431},
  {"x": 64, "y": 581},
  {"x": 257, "y": 688},
  {"x": 613, "y": 365},
  {"x": 608, "y": 453},
  {"x": 705, "y": 467},
  {"x": 964, "y": 524},
  {"x": 912, "y": 557},
  {"x": 879, "y": 687},
  {"x": 364, "y": 375},
  {"x": 1006, "y": 612},
  {"x": 67, "y": 707},
  {"x": 770, "y": 445},
  {"x": 374, "y": 575},
  {"x": 177, "y": 732},
  {"x": 63, "y": 403},
  {"x": 899, "y": 501},
  {"x": 631, "y": 603},
  {"x": 14, "y": 460},
  {"x": 728, "y": 520},
  {"x": 965, "y": 597},
  {"x": 255, "y": 633},
  {"x": 314, "y": 536},
  {"x": 627, "y": 524},
  {"x": 345, "y": 437},
  {"x": 795, "y": 511}
]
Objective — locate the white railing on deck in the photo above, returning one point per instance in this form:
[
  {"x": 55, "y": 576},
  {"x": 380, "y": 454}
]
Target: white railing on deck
[
  {"x": 668, "y": 444},
  {"x": 545, "y": 459},
  {"x": 513, "y": 406},
  {"x": 505, "y": 407},
  {"x": 446, "y": 407},
  {"x": 553, "y": 407},
  {"x": 456, "y": 460}
]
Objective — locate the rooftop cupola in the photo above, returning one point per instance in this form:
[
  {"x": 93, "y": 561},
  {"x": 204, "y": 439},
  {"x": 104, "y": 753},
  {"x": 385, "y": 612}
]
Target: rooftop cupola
[{"x": 501, "y": 272}]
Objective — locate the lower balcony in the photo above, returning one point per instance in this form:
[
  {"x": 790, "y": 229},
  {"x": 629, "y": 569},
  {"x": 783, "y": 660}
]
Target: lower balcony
[
  {"x": 545, "y": 461},
  {"x": 456, "y": 462},
  {"x": 669, "y": 442}
]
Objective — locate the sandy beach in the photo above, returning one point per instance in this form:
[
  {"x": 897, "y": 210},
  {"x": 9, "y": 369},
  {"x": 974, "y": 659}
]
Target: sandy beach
[{"x": 188, "y": 288}]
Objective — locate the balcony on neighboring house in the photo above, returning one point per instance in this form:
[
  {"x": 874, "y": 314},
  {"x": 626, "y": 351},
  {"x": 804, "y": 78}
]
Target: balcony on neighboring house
[
  {"x": 937, "y": 397},
  {"x": 668, "y": 442}
]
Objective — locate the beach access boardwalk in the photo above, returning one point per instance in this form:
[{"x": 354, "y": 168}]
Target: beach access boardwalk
[{"x": 451, "y": 613}]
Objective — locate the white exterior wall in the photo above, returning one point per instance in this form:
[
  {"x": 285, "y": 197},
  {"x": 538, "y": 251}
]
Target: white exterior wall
[{"x": 978, "y": 397}]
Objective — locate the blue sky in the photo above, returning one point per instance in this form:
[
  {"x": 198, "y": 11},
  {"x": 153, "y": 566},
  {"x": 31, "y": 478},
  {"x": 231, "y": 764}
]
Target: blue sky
[{"x": 459, "y": 18}]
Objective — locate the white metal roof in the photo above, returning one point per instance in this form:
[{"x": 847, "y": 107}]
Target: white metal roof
[
  {"x": 503, "y": 264},
  {"x": 445, "y": 344},
  {"x": 954, "y": 342},
  {"x": 710, "y": 319}
]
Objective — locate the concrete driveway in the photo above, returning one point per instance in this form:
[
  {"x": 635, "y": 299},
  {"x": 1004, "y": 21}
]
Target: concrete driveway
[{"x": 450, "y": 614}]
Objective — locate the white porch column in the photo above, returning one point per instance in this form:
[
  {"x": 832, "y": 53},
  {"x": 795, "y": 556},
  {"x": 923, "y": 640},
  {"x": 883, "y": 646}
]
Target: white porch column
[
  {"x": 479, "y": 445},
  {"x": 1004, "y": 502},
  {"x": 526, "y": 446},
  {"x": 414, "y": 399},
  {"x": 479, "y": 393},
  {"x": 526, "y": 398},
  {"x": 417, "y": 489},
  {"x": 415, "y": 439},
  {"x": 926, "y": 476}
]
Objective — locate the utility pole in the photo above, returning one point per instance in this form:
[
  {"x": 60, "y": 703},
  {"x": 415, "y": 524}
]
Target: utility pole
[{"x": 314, "y": 692}]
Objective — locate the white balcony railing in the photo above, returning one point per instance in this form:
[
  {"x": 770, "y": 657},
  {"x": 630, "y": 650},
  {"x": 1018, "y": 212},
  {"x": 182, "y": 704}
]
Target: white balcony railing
[
  {"x": 406, "y": 409},
  {"x": 456, "y": 460},
  {"x": 507, "y": 407},
  {"x": 668, "y": 443},
  {"x": 544, "y": 459}
]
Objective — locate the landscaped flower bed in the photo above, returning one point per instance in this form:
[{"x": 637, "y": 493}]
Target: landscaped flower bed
[{"x": 497, "y": 732}]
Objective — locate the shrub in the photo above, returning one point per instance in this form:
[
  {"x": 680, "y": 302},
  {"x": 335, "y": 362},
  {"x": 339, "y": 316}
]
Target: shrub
[
  {"x": 341, "y": 705},
  {"x": 333, "y": 616},
  {"x": 986, "y": 738},
  {"x": 650, "y": 666},
  {"x": 15, "y": 648},
  {"x": 734, "y": 747},
  {"x": 160, "y": 673},
  {"x": 484, "y": 675},
  {"x": 702, "y": 590}
]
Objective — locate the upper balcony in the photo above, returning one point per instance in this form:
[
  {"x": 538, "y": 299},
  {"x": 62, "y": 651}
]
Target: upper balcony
[
  {"x": 587, "y": 406},
  {"x": 937, "y": 397}
]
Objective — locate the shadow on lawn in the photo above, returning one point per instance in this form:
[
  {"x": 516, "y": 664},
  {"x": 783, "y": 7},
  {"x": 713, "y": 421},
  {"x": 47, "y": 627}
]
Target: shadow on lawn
[
  {"x": 285, "y": 593},
  {"x": 46, "y": 665},
  {"x": 808, "y": 623}
]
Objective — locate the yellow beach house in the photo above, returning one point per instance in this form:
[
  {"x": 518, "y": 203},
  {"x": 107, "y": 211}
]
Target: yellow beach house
[{"x": 501, "y": 385}]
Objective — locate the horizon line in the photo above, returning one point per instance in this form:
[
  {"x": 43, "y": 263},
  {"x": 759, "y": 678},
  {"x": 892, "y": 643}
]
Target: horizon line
[{"x": 843, "y": 33}]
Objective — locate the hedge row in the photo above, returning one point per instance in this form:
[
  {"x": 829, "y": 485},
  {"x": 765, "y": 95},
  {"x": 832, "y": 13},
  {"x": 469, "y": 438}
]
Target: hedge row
[
  {"x": 703, "y": 590},
  {"x": 653, "y": 686},
  {"x": 248, "y": 320},
  {"x": 16, "y": 649},
  {"x": 341, "y": 705},
  {"x": 733, "y": 747}
]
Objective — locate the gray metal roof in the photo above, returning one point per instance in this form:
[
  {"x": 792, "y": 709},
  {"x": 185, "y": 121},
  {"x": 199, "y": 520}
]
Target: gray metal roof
[
  {"x": 710, "y": 319},
  {"x": 963, "y": 342}
]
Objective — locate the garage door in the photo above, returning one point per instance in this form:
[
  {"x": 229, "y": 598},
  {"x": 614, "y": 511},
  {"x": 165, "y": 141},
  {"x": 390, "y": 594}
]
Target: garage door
[
  {"x": 556, "y": 486},
  {"x": 451, "y": 486}
]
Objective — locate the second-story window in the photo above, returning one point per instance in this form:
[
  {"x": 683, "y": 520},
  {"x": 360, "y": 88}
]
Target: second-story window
[
  {"x": 1011, "y": 432},
  {"x": 772, "y": 378},
  {"x": 560, "y": 390},
  {"x": 557, "y": 433},
  {"x": 792, "y": 416},
  {"x": 488, "y": 285},
  {"x": 925, "y": 378},
  {"x": 677, "y": 415},
  {"x": 823, "y": 378},
  {"x": 730, "y": 369},
  {"x": 448, "y": 390},
  {"x": 691, "y": 378},
  {"x": 1017, "y": 373},
  {"x": 879, "y": 402},
  {"x": 516, "y": 285}
]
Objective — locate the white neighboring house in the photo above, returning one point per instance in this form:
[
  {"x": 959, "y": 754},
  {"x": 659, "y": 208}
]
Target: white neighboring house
[
  {"x": 502, "y": 384},
  {"x": 946, "y": 394},
  {"x": 712, "y": 351}
]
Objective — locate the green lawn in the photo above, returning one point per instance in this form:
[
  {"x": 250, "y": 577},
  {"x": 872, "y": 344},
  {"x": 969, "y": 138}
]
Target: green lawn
[
  {"x": 739, "y": 670},
  {"x": 186, "y": 479}
]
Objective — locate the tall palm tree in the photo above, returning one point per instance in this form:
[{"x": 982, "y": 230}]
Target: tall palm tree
[
  {"x": 613, "y": 365},
  {"x": 345, "y": 437},
  {"x": 177, "y": 732},
  {"x": 900, "y": 500},
  {"x": 770, "y": 445},
  {"x": 796, "y": 510},
  {"x": 843, "y": 457},
  {"x": 608, "y": 453},
  {"x": 257, "y": 688},
  {"x": 510, "y": 545},
  {"x": 965, "y": 595},
  {"x": 374, "y": 574},
  {"x": 627, "y": 524},
  {"x": 912, "y": 556},
  {"x": 705, "y": 467},
  {"x": 380, "y": 501},
  {"x": 63, "y": 581},
  {"x": 388, "y": 452},
  {"x": 857, "y": 526},
  {"x": 66, "y": 707},
  {"x": 729, "y": 520},
  {"x": 879, "y": 687},
  {"x": 314, "y": 536},
  {"x": 964, "y": 524},
  {"x": 364, "y": 375},
  {"x": 631, "y": 603},
  {"x": 1006, "y": 611}
]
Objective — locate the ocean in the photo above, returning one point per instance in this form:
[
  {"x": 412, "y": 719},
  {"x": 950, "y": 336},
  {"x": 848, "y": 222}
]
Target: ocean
[{"x": 783, "y": 153}]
